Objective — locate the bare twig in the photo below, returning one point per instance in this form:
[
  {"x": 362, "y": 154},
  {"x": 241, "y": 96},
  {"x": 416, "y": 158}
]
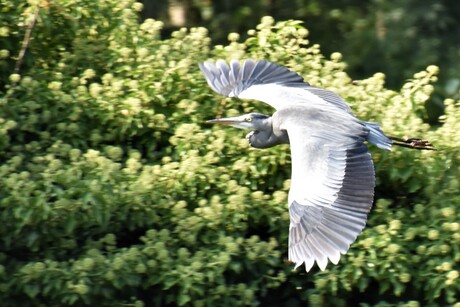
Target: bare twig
[{"x": 25, "y": 42}]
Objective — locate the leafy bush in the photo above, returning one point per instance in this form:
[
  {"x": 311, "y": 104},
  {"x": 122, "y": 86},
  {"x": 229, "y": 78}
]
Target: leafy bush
[{"x": 115, "y": 192}]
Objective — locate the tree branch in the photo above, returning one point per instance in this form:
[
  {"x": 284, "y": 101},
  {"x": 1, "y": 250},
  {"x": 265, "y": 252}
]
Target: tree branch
[{"x": 25, "y": 42}]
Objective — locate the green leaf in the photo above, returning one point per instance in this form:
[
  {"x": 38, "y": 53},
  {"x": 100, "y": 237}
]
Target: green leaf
[{"x": 31, "y": 290}]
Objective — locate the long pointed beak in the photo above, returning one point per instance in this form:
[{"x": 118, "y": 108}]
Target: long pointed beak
[
  {"x": 229, "y": 121},
  {"x": 236, "y": 122}
]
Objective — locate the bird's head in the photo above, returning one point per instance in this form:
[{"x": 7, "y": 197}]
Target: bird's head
[{"x": 250, "y": 121}]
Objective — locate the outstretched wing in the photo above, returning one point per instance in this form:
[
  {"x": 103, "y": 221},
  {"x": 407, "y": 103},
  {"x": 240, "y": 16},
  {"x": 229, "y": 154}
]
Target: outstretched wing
[
  {"x": 332, "y": 184},
  {"x": 268, "y": 82}
]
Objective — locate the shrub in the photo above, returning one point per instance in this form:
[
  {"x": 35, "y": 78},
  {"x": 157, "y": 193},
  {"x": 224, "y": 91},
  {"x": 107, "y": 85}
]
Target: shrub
[{"x": 115, "y": 192}]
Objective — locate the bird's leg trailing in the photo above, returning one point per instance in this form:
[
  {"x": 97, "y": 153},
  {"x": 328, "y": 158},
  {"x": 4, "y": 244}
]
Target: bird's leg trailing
[{"x": 412, "y": 143}]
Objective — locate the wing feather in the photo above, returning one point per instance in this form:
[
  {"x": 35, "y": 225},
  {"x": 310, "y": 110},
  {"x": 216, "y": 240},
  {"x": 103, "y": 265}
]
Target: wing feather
[
  {"x": 267, "y": 82},
  {"x": 332, "y": 187},
  {"x": 330, "y": 97}
]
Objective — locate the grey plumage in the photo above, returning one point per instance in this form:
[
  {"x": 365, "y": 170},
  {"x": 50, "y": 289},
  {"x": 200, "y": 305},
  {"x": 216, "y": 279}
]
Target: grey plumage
[{"x": 332, "y": 181}]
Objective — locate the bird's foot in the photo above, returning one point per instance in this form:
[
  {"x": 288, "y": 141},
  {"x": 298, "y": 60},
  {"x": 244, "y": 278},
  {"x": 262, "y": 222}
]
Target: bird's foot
[{"x": 412, "y": 143}]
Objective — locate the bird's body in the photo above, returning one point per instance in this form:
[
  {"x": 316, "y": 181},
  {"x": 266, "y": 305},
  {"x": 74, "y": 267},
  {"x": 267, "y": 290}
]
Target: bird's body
[{"x": 332, "y": 180}]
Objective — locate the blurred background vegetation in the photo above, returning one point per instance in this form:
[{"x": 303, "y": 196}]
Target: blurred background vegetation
[
  {"x": 396, "y": 37},
  {"x": 113, "y": 191}
]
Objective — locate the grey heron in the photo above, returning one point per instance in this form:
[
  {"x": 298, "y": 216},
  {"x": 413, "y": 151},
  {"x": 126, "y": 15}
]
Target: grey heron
[{"x": 332, "y": 179}]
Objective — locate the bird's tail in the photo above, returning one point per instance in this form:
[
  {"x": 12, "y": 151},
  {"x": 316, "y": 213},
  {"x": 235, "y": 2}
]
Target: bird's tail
[{"x": 378, "y": 138}]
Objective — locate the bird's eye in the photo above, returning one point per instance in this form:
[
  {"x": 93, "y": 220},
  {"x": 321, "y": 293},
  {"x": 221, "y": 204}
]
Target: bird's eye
[{"x": 248, "y": 119}]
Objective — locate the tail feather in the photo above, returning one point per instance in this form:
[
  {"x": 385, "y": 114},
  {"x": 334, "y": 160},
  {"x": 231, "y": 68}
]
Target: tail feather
[{"x": 377, "y": 137}]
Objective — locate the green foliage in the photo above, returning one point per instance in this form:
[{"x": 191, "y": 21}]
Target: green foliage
[
  {"x": 395, "y": 37},
  {"x": 114, "y": 192}
]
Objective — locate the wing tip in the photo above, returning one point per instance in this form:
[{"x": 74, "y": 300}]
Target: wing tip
[
  {"x": 234, "y": 77},
  {"x": 321, "y": 260}
]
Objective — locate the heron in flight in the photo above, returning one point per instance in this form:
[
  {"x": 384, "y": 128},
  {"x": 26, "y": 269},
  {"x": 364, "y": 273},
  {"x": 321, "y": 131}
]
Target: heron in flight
[{"x": 332, "y": 180}]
